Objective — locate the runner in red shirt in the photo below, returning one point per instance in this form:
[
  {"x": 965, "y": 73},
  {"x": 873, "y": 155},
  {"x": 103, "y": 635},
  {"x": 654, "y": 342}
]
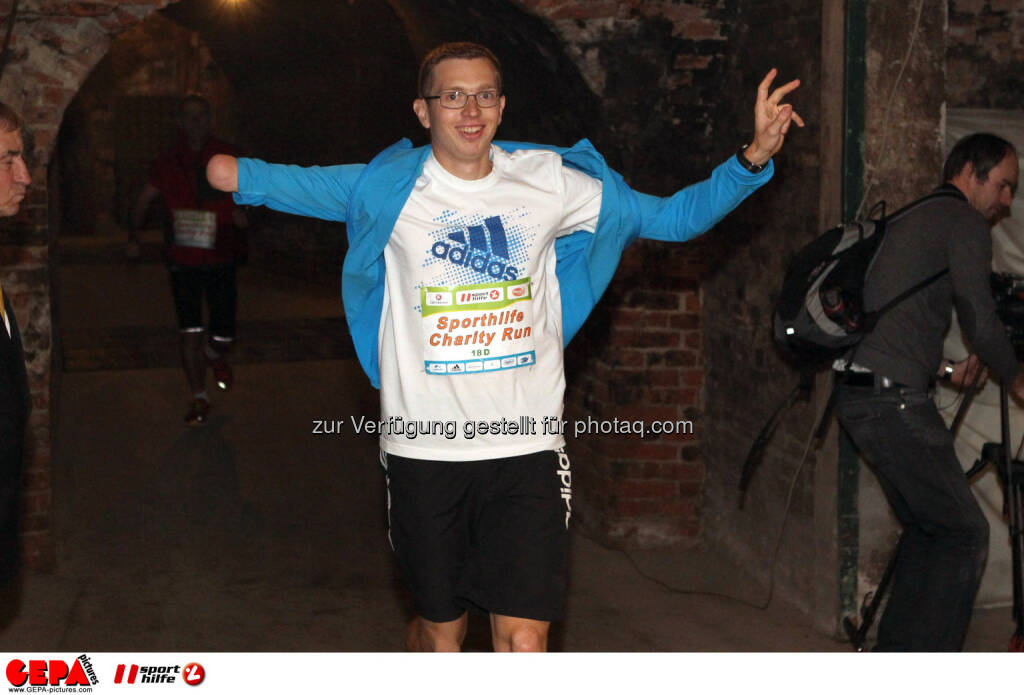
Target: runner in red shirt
[{"x": 204, "y": 245}]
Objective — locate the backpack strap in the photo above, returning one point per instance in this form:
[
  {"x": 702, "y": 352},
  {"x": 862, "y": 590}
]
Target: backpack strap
[
  {"x": 945, "y": 191},
  {"x": 872, "y": 320},
  {"x": 906, "y": 293}
]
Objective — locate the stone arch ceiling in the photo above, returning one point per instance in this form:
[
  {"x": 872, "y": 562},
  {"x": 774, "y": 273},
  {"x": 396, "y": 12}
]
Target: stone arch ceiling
[
  {"x": 555, "y": 57},
  {"x": 343, "y": 74},
  {"x": 56, "y": 43}
]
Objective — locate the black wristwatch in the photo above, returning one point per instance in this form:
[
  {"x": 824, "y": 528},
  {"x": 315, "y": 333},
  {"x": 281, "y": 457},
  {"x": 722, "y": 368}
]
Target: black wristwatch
[
  {"x": 746, "y": 163},
  {"x": 947, "y": 371}
]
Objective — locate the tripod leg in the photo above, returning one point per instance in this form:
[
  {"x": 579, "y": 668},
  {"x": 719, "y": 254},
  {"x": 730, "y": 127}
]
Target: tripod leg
[
  {"x": 858, "y": 635},
  {"x": 965, "y": 404},
  {"x": 1013, "y": 503}
]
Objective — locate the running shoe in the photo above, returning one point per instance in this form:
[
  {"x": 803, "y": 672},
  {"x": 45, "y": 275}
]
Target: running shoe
[
  {"x": 222, "y": 375},
  {"x": 198, "y": 410}
]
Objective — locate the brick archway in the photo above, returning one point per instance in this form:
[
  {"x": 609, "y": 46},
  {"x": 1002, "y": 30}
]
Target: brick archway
[
  {"x": 666, "y": 56},
  {"x": 54, "y": 46}
]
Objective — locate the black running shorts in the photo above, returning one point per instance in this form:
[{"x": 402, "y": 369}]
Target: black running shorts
[
  {"x": 218, "y": 285},
  {"x": 490, "y": 535}
]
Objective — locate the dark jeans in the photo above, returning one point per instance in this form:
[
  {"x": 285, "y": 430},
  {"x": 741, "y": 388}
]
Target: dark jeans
[{"x": 945, "y": 535}]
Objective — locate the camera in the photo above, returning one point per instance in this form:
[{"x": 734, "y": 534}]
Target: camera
[{"x": 1008, "y": 291}]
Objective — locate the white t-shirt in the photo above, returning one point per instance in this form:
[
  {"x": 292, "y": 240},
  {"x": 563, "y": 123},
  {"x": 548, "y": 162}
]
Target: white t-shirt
[{"x": 471, "y": 336}]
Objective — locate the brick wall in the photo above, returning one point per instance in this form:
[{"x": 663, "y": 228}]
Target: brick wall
[
  {"x": 985, "y": 54},
  {"x": 639, "y": 359},
  {"x": 124, "y": 115},
  {"x": 746, "y": 378},
  {"x": 53, "y": 47},
  {"x": 655, "y": 67}
]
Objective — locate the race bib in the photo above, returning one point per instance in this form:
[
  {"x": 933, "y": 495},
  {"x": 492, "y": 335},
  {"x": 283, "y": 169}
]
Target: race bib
[
  {"x": 195, "y": 228},
  {"x": 478, "y": 328}
]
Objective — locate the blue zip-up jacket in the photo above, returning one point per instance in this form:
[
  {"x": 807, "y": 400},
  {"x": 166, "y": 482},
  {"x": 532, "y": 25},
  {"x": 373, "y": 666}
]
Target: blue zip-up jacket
[{"x": 370, "y": 197}]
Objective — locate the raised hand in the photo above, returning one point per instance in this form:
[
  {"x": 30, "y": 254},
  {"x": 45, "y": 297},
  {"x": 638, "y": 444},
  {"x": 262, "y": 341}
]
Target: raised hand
[{"x": 771, "y": 119}]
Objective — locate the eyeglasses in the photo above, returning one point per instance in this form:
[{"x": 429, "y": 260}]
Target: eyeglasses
[{"x": 458, "y": 99}]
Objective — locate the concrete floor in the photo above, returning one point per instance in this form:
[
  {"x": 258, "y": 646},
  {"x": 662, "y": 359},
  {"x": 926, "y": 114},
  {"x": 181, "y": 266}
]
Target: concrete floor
[{"x": 254, "y": 534}]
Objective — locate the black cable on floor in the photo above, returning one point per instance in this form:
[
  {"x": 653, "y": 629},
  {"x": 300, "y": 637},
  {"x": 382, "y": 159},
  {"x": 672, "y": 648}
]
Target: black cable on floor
[{"x": 775, "y": 551}]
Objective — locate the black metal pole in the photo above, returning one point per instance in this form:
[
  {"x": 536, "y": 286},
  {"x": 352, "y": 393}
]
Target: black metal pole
[
  {"x": 1015, "y": 512},
  {"x": 859, "y": 635},
  {"x": 965, "y": 403}
]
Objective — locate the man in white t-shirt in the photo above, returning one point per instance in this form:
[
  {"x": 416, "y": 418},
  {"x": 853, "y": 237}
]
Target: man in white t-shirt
[{"x": 471, "y": 263}]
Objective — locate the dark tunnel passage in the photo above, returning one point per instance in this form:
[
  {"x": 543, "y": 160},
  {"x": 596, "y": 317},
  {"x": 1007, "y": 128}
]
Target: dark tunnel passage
[
  {"x": 265, "y": 504},
  {"x": 321, "y": 82},
  {"x": 266, "y": 530},
  {"x": 254, "y": 502},
  {"x": 334, "y": 81}
]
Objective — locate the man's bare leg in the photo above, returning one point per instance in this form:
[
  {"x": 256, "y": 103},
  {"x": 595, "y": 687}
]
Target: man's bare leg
[
  {"x": 510, "y": 634},
  {"x": 193, "y": 360},
  {"x": 424, "y": 635}
]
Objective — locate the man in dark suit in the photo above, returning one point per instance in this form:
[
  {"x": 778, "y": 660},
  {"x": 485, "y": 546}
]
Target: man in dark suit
[{"x": 15, "y": 401}]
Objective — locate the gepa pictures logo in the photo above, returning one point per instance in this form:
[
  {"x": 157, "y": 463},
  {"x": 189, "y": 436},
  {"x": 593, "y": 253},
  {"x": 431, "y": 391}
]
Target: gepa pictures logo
[{"x": 44, "y": 675}]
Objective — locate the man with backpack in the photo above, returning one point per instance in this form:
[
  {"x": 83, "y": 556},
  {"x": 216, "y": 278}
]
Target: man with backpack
[{"x": 883, "y": 400}]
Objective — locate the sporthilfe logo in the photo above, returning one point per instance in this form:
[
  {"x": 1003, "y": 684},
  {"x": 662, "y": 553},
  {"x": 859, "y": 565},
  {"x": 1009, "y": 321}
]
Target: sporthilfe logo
[{"x": 191, "y": 674}]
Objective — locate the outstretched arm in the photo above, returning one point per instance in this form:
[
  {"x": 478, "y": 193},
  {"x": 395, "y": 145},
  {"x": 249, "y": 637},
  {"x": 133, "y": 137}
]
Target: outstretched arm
[
  {"x": 697, "y": 208},
  {"x": 321, "y": 192},
  {"x": 771, "y": 119},
  {"x": 222, "y": 173}
]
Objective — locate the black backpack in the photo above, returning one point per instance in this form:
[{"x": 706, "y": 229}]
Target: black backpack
[
  {"x": 820, "y": 310},
  {"x": 820, "y": 315}
]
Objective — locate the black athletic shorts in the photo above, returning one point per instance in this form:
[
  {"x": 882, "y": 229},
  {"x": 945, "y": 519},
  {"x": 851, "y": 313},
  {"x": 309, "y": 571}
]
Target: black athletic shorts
[
  {"x": 490, "y": 535},
  {"x": 217, "y": 284}
]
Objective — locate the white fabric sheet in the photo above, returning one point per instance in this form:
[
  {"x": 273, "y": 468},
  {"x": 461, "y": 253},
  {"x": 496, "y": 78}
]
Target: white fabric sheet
[{"x": 981, "y": 422}]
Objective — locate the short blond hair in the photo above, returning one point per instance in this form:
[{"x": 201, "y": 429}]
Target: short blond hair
[{"x": 465, "y": 50}]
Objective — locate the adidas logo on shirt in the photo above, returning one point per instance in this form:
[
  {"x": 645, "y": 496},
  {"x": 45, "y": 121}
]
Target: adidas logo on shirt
[{"x": 476, "y": 253}]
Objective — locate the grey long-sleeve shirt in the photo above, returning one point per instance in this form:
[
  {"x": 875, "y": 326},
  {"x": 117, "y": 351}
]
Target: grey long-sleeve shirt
[{"x": 906, "y": 345}]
